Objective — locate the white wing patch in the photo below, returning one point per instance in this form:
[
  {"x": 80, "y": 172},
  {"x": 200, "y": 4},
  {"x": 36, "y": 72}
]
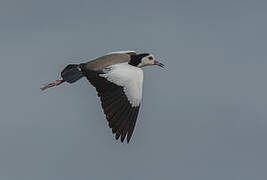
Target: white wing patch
[{"x": 129, "y": 77}]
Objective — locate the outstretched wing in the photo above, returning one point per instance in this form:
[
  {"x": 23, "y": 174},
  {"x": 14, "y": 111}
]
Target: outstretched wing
[{"x": 120, "y": 90}]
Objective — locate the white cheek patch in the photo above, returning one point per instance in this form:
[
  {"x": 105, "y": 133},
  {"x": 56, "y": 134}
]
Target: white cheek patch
[
  {"x": 146, "y": 62},
  {"x": 130, "y": 78}
]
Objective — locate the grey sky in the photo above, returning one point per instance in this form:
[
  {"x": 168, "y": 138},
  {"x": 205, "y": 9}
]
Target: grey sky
[{"x": 204, "y": 117}]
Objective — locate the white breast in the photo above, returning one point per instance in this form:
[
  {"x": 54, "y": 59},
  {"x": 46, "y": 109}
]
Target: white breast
[{"x": 129, "y": 77}]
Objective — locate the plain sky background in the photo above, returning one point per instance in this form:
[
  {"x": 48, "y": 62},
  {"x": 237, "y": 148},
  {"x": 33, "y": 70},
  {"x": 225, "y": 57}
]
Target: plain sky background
[{"x": 202, "y": 118}]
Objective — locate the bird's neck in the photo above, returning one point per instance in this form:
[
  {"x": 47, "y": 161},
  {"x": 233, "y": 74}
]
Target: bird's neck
[{"x": 135, "y": 60}]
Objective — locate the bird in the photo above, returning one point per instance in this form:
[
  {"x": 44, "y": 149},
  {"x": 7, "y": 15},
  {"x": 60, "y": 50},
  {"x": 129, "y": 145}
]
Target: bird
[{"x": 118, "y": 80}]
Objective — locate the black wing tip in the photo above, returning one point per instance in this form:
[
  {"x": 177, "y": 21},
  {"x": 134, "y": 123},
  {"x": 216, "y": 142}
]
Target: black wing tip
[
  {"x": 128, "y": 138},
  {"x": 117, "y": 136},
  {"x": 124, "y": 130},
  {"x": 122, "y": 139}
]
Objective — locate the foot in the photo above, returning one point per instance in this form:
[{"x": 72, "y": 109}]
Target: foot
[{"x": 49, "y": 85}]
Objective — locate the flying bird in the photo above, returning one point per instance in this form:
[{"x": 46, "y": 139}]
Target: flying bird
[{"x": 118, "y": 79}]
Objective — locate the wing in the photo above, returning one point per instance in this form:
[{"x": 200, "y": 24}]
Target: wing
[
  {"x": 124, "y": 52},
  {"x": 100, "y": 63},
  {"x": 120, "y": 90}
]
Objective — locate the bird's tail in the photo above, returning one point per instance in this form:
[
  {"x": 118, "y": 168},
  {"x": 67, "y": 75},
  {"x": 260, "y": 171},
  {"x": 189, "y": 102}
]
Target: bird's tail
[{"x": 70, "y": 74}]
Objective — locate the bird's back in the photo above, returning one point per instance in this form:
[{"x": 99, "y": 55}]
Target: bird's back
[{"x": 100, "y": 63}]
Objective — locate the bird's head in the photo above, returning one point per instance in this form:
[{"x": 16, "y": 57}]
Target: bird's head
[{"x": 145, "y": 59}]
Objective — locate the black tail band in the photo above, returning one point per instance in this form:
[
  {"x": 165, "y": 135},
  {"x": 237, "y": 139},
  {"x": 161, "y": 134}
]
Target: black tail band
[{"x": 71, "y": 73}]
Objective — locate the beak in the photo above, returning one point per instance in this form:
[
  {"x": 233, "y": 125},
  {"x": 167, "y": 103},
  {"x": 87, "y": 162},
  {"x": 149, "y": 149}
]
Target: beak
[{"x": 158, "y": 64}]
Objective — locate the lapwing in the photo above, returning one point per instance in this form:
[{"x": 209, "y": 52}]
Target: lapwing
[{"x": 118, "y": 79}]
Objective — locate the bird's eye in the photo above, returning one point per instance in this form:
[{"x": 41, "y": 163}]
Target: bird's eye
[{"x": 150, "y": 58}]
